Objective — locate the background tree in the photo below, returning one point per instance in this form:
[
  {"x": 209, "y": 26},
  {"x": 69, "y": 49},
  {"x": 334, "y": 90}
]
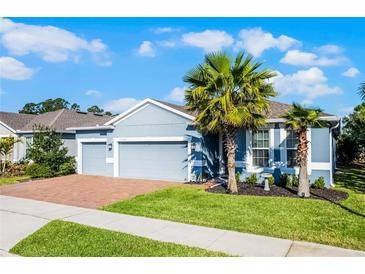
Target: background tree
[
  {"x": 75, "y": 107},
  {"x": 6, "y": 147},
  {"x": 299, "y": 119},
  {"x": 351, "y": 143},
  {"x": 227, "y": 96},
  {"x": 45, "y": 106},
  {"x": 95, "y": 109}
]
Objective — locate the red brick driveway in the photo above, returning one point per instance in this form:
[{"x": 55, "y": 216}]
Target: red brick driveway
[{"x": 82, "y": 190}]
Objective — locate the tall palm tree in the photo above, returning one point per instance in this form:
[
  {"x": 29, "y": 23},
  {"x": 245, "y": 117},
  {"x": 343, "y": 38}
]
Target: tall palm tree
[
  {"x": 362, "y": 91},
  {"x": 227, "y": 96},
  {"x": 299, "y": 119}
]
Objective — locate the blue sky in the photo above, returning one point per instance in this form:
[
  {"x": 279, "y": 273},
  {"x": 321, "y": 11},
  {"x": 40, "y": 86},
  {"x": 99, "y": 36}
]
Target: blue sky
[{"x": 114, "y": 62}]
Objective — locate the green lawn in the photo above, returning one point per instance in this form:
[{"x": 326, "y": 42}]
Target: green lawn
[
  {"x": 65, "y": 239},
  {"x": 12, "y": 180},
  {"x": 352, "y": 181},
  {"x": 289, "y": 218}
]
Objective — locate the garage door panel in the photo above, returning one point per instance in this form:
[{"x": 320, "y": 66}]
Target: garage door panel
[
  {"x": 94, "y": 158},
  {"x": 153, "y": 160}
]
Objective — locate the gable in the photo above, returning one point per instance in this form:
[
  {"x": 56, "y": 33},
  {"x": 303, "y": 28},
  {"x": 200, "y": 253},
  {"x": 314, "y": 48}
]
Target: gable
[{"x": 150, "y": 114}]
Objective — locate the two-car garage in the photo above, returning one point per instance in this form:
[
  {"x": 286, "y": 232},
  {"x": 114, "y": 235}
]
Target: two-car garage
[{"x": 153, "y": 160}]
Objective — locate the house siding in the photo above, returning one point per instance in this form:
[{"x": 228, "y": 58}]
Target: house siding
[{"x": 154, "y": 121}]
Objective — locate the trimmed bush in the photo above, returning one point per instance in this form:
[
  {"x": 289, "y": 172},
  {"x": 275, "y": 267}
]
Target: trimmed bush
[
  {"x": 252, "y": 179},
  {"x": 38, "y": 171},
  {"x": 271, "y": 180},
  {"x": 295, "y": 180},
  {"x": 283, "y": 180},
  {"x": 66, "y": 168},
  {"x": 319, "y": 183},
  {"x": 238, "y": 177}
]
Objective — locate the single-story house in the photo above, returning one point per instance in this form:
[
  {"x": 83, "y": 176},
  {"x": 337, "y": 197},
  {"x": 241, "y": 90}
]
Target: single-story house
[
  {"x": 158, "y": 140},
  {"x": 21, "y": 126}
]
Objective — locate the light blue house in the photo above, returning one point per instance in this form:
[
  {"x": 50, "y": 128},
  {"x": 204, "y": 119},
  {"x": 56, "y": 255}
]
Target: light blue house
[{"x": 158, "y": 140}]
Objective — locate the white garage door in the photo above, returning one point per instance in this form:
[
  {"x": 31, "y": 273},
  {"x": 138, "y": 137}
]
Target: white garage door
[
  {"x": 154, "y": 160},
  {"x": 94, "y": 158}
]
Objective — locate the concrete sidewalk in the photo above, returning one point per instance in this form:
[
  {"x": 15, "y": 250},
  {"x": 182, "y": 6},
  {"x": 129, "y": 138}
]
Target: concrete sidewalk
[{"x": 21, "y": 217}]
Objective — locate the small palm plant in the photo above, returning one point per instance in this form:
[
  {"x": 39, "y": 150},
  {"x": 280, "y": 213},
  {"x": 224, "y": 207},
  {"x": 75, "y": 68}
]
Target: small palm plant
[
  {"x": 362, "y": 91},
  {"x": 299, "y": 119},
  {"x": 227, "y": 96}
]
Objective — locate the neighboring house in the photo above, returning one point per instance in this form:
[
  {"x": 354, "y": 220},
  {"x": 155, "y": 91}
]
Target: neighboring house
[
  {"x": 158, "y": 140},
  {"x": 21, "y": 126}
]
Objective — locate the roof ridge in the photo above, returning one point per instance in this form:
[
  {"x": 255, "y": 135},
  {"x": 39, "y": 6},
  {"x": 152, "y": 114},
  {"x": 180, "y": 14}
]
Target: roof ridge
[{"x": 56, "y": 118}]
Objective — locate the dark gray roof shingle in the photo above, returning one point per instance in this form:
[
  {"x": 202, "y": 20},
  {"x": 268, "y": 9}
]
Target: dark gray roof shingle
[
  {"x": 60, "y": 120},
  {"x": 276, "y": 109},
  {"x": 15, "y": 120}
]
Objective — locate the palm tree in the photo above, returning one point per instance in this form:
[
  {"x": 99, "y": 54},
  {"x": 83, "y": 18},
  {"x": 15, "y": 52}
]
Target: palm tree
[
  {"x": 228, "y": 96},
  {"x": 299, "y": 119},
  {"x": 362, "y": 91}
]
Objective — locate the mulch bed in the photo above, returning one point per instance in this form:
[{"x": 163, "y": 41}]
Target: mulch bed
[{"x": 277, "y": 191}]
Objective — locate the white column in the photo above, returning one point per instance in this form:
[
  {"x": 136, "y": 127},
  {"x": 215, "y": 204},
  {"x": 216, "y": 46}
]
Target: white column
[
  {"x": 282, "y": 146},
  {"x": 221, "y": 164},
  {"x": 248, "y": 149},
  {"x": 309, "y": 138}
]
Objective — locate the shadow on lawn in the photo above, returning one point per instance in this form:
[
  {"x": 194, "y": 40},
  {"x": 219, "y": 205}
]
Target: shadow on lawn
[{"x": 351, "y": 178}]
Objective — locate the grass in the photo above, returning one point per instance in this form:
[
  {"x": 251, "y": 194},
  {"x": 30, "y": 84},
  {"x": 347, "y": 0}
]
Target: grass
[
  {"x": 66, "y": 239},
  {"x": 352, "y": 180},
  {"x": 13, "y": 180},
  {"x": 290, "y": 218}
]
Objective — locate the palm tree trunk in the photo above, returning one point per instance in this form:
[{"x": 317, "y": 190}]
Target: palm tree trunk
[
  {"x": 302, "y": 158},
  {"x": 230, "y": 146}
]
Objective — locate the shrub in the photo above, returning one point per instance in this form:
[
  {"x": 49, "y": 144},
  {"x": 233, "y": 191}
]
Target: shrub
[
  {"x": 238, "y": 177},
  {"x": 38, "y": 171},
  {"x": 16, "y": 169},
  {"x": 271, "y": 180},
  {"x": 283, "y": 181},
  {"x": 252, "y": 179},
  {"x": 66, "y": 168},
  {"x": 319, "y": 183},
  {"x": 295, "y": 180}
]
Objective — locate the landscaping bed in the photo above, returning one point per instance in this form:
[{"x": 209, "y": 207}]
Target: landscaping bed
[{"x": 278, "y": 191}]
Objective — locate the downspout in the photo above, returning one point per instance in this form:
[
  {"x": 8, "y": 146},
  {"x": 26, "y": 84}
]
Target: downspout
[{"x": 331, "y": 150}]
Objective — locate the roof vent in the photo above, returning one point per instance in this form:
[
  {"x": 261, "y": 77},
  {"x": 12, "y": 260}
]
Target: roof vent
[
  {"x": 98, "y": 114},
  {"x": 81, "y": 112}
]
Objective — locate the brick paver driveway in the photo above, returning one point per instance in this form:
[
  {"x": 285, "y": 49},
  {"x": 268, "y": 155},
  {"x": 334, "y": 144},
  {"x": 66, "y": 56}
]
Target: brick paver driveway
[{"x": 82, "y": 190}]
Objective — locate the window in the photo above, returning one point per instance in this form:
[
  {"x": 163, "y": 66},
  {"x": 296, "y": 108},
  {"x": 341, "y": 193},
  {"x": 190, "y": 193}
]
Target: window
[
  {"x": 260, "y": 148},
  {"x": 291, "y": 148},
  {"x": 28, "y": 141}
]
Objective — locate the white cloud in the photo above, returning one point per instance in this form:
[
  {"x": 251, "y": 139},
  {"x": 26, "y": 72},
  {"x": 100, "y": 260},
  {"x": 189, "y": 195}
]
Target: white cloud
[
  {"x": 329, "y": 49},
  {"x": 311, "y": 83},
  {"x": 51, "y": 43},
  {"x": 209, "y": 40},
  {"x": 121, "y": 104},
  {"x": 301, "y": 58},
  {"x": 13, "y": 69},
  {"x": 2, "y": 92},
  {"x": 177, "y": 94},
  {"x": 351, "y": 72},
  {"x": 167, "y": 43},
  {"x": 256, "y": 41},
  {"x": 146, "y": 49},
  {"x": 163, "y": 30},
  {"x": 93, "y": 92}
]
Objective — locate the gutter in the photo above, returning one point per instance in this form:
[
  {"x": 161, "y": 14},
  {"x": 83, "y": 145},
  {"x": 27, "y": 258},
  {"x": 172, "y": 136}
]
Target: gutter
[
  {"x": 58, "y": 131},
  {"x": 91, "y": 128}
]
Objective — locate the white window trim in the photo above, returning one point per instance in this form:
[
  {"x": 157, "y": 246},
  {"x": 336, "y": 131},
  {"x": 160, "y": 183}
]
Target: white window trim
[
  {"x": 269, "y": 149},
  {"x": 118, "y": 140},
  {"x": 286, "y": 150},
  {"x": 79, "y": 150}
]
